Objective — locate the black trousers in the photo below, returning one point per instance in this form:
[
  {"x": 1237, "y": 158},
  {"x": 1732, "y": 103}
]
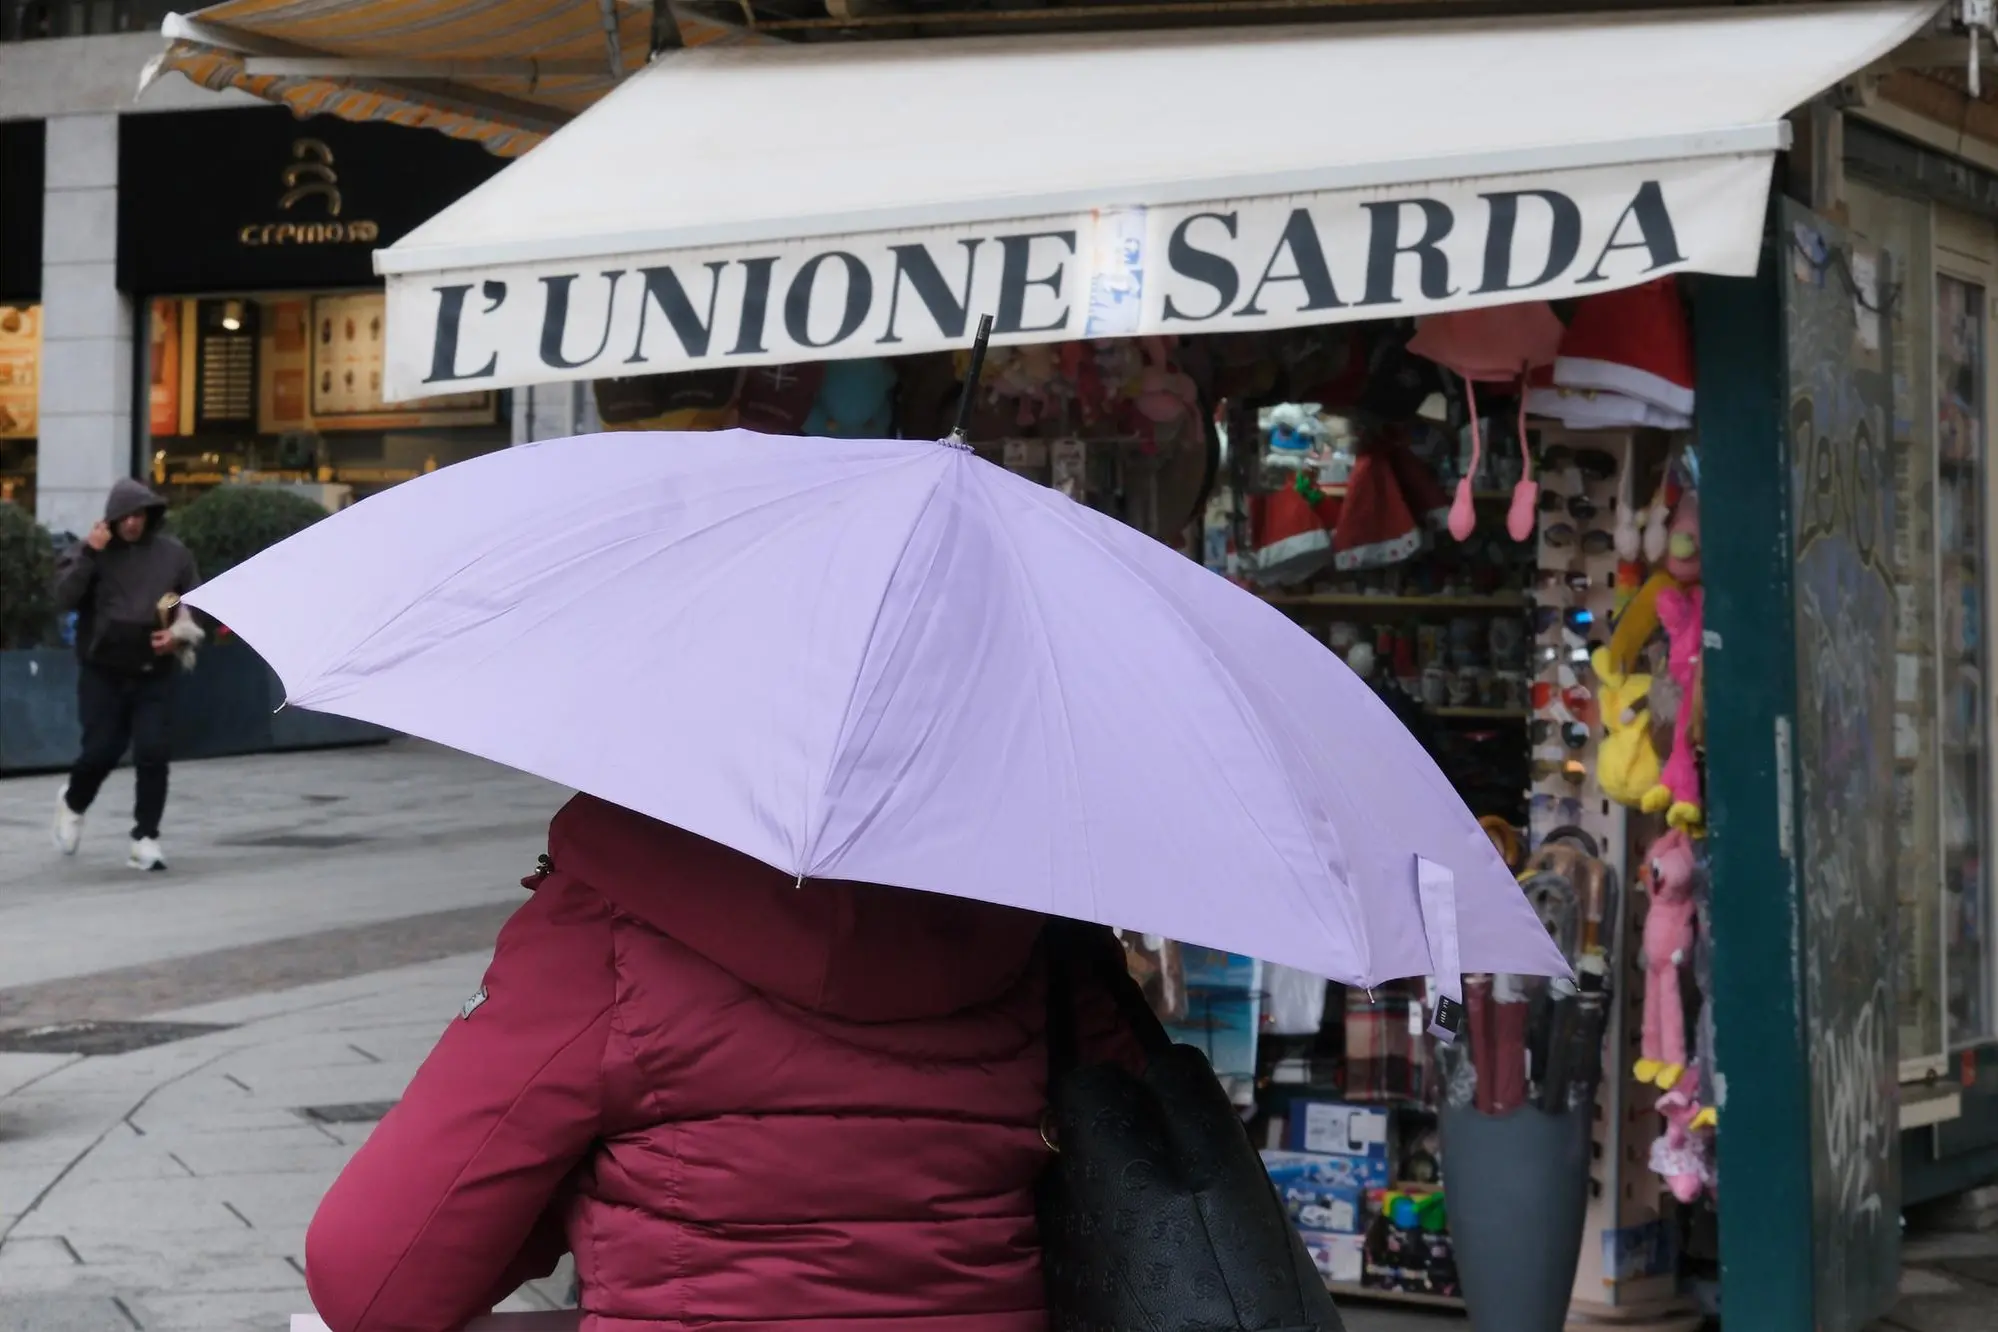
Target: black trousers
[{"x": 120, "y": 711}]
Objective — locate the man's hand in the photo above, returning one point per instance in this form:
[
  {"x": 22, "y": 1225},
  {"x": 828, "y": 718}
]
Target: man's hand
[
  {"x": 100, "y": 535},
  {"x": 163, "y": 642}
]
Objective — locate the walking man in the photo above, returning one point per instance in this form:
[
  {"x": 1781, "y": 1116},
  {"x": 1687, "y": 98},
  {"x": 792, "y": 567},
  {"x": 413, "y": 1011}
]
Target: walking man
[{"x": 124, "y": 581}]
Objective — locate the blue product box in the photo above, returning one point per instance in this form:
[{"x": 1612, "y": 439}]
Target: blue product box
[
  {"x": 1337, "y": 1185},
  {"x": 1334, "y": 1128}
]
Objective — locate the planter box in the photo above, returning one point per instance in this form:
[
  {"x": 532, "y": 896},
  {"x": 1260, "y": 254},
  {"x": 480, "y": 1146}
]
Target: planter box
[{"x": 225, "y": 706}]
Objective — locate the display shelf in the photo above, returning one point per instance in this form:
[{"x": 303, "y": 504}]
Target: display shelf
[
  {"x": 1482, "y": 714},
  {"x": 1361, "y": 601},
  {"x": 1348, "y": 1291},
  {"x": 1480, "y": 496}
]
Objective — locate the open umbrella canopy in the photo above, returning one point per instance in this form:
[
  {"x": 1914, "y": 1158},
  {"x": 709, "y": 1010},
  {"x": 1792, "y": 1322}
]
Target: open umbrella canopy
[{"x": 897, "y": 663}]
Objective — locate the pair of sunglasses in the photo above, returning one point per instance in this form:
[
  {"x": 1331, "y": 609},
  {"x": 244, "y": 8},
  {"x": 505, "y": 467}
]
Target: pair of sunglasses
[
  {"x": 1570, "y": 656},
  {"x": 1547, "y": 807},
  {"x": 1595, "y": 541},
  {"x": 1572, "y": 771},
  {"x": 1570, "y": 733},
  {"x": 1575, "y": 580},
  {"x": 1579, "y": 507},
  {"x": 1595, "y": 464},
  {"x": 1579, "y": 619},
  {"x": 1568, "y": 702}
]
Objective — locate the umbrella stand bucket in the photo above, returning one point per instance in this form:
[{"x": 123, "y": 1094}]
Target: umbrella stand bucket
[{"x": 1518, "y": 1187}]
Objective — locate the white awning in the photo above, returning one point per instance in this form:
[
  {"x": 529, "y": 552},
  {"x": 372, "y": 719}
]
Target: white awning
[{"x": 750, "y": 205}]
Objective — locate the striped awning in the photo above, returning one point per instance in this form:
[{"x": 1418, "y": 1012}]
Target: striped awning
[{"x": 500, "y": 73}]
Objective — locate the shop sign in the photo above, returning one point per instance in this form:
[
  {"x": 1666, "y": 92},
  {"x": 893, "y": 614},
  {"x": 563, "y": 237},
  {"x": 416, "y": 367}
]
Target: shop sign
[
  {"x": 256, "y": 200},
  {"x": 311, "y": 178},
  {"x": 22, "y": 152},
  {"x": 1260, "y": 263}
]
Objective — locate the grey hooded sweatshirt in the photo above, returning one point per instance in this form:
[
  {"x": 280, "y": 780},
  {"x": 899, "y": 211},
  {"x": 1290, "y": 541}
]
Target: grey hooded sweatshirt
[{"x": 116, "y": 591}]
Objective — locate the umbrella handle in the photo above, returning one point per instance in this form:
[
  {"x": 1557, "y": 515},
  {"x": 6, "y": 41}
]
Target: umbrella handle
[{"x": 971, "y": 378}]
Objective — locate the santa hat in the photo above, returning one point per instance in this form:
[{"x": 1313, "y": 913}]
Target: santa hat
[
  {"x": 1377, "y": 523},
  {"x": 1627, "y": 360},
  {"x": 1495, "y": 344},
  {"x": 1292, "y": 542}
]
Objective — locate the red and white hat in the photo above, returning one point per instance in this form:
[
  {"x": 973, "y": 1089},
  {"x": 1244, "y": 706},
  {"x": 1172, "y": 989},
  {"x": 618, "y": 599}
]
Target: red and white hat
[
  {"x": 1626, "y": 360},
  {"x": 1292, "y": 541},
  {"x": 1381, "y": 523}
]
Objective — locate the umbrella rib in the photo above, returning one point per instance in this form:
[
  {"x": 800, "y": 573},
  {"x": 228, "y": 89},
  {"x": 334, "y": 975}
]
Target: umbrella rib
[
  {"x": 1252, "y": 723},
  {"x": 819, "y": 792},
  {"x": 1026, "y": 583},
  {"x": 467, "y": 566}
]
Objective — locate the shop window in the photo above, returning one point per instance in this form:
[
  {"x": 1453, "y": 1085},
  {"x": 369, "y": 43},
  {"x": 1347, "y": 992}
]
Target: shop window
[
  {"x": 20, "y": 389},
  {"x": 1961, "y": 351},
  {"x": 1893, "y": 241},
  {"x": 286, "y": 389}
]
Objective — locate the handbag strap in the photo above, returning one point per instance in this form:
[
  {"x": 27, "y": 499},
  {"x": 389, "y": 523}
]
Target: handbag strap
[{"x": 1071, "y": 946}]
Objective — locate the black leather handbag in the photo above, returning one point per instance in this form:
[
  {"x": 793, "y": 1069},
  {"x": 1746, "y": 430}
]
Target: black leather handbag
[{"x": 1156, "y": 1214}]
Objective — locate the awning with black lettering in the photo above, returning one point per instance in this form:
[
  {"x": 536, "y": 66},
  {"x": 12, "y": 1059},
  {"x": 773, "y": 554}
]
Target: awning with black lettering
[{"x": 752, "y": 205}]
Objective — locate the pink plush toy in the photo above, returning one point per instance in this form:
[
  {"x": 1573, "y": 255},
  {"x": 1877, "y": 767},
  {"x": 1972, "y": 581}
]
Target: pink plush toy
[
  {"x": 1682, "y": 1154},
  {"x": 1677, "y": 795},
  {"x": 1668, "y": 938}
]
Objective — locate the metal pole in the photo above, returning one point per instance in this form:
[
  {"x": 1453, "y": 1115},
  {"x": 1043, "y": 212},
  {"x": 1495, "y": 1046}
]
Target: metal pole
[{"x": 971, "y": 377}]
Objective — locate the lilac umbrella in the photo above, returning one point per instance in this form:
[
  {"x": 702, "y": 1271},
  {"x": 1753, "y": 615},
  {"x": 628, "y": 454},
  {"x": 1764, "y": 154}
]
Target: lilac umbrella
[{"x": 897, "y": 663}]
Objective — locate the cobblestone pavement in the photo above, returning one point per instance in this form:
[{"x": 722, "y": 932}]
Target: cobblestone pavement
[
  {"x": 328, "y": 913},
  {"x": 325, "y": 917}
]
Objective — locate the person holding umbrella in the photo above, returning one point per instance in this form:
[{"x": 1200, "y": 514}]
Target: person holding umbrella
[
  {"x": 125, "y": 579},
  {"x": 853, "y": 719},
  {"x": 737, "y": 1101}
]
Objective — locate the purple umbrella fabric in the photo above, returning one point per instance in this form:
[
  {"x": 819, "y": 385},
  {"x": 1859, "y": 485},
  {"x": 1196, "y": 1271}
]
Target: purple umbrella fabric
[{"x": 895, "y": 662}]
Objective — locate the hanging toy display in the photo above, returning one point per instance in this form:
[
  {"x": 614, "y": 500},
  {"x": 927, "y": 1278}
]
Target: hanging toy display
[
  {"x": 1677, "y": 795},
  {"x": 1501, "y": 344},
  {"x": 1670, "y": 876},
  {"x": 1683, "y": 1154},
  {"x": 1627, "y": 763}
]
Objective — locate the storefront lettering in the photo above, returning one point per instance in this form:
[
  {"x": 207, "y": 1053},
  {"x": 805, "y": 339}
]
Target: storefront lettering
[
  {"x": 1564, "y": 237},
  {"x": 1016, "y": 256},
  {"x": 450, "y": 316},
  {"x": 555, "y": 319},
  {"x": 1307, "y": 260},
  {"x": 310, "y": 175},
  {"x": 950, "y": 310},
  {"x": 309, "y": 233},
  {"x": 1385, "y": 248},
  {"x": 1244, "y": 265}
]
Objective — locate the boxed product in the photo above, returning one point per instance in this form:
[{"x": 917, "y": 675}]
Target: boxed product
[
  {"x": 1309, "y": 1173},
  {"x": 1338, "y": 1128},
  {"x": 1340, "y": 1258}
]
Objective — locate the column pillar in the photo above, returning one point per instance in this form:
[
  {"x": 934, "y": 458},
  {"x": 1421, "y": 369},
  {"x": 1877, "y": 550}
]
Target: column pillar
[{"x": 86, "y": 371}]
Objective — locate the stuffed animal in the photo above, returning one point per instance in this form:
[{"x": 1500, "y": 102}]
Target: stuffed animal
[
  {"x": 1677, "y": 795},
  {"x": 1627, "y": 764},
  {"x": 1682, "y": 1153},
  {"x": 856, "y": 401},
  {"x": 1669, "y": 872},
  {"x": 1682, "y": 544}
]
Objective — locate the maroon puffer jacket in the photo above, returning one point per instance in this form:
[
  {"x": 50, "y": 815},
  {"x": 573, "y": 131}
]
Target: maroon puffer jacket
[{"x": 737, "y": 1101}]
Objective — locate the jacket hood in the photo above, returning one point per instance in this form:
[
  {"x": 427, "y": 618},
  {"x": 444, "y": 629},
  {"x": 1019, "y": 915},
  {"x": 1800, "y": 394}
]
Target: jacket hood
[
  {"x": 858, "y": 952},
  {"x": 128, "y": 497}
]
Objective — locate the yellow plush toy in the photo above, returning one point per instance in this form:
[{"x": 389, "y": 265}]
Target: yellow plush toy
[{"x": 1627, "y": 763}]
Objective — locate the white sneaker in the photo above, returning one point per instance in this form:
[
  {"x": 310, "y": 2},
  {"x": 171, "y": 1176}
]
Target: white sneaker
[
  {"x": 67, "y": 831},
  {"x": 146, "y": 855}
]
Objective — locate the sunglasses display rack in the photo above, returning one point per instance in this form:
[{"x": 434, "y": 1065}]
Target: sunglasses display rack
[{"x": 1626, "y": 1276}]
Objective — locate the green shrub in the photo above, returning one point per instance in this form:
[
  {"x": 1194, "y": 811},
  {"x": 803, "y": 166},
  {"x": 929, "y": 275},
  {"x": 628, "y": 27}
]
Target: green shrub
[
  {"x": 27, "y": 579},
  {"x": 229, "y": 524}
]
